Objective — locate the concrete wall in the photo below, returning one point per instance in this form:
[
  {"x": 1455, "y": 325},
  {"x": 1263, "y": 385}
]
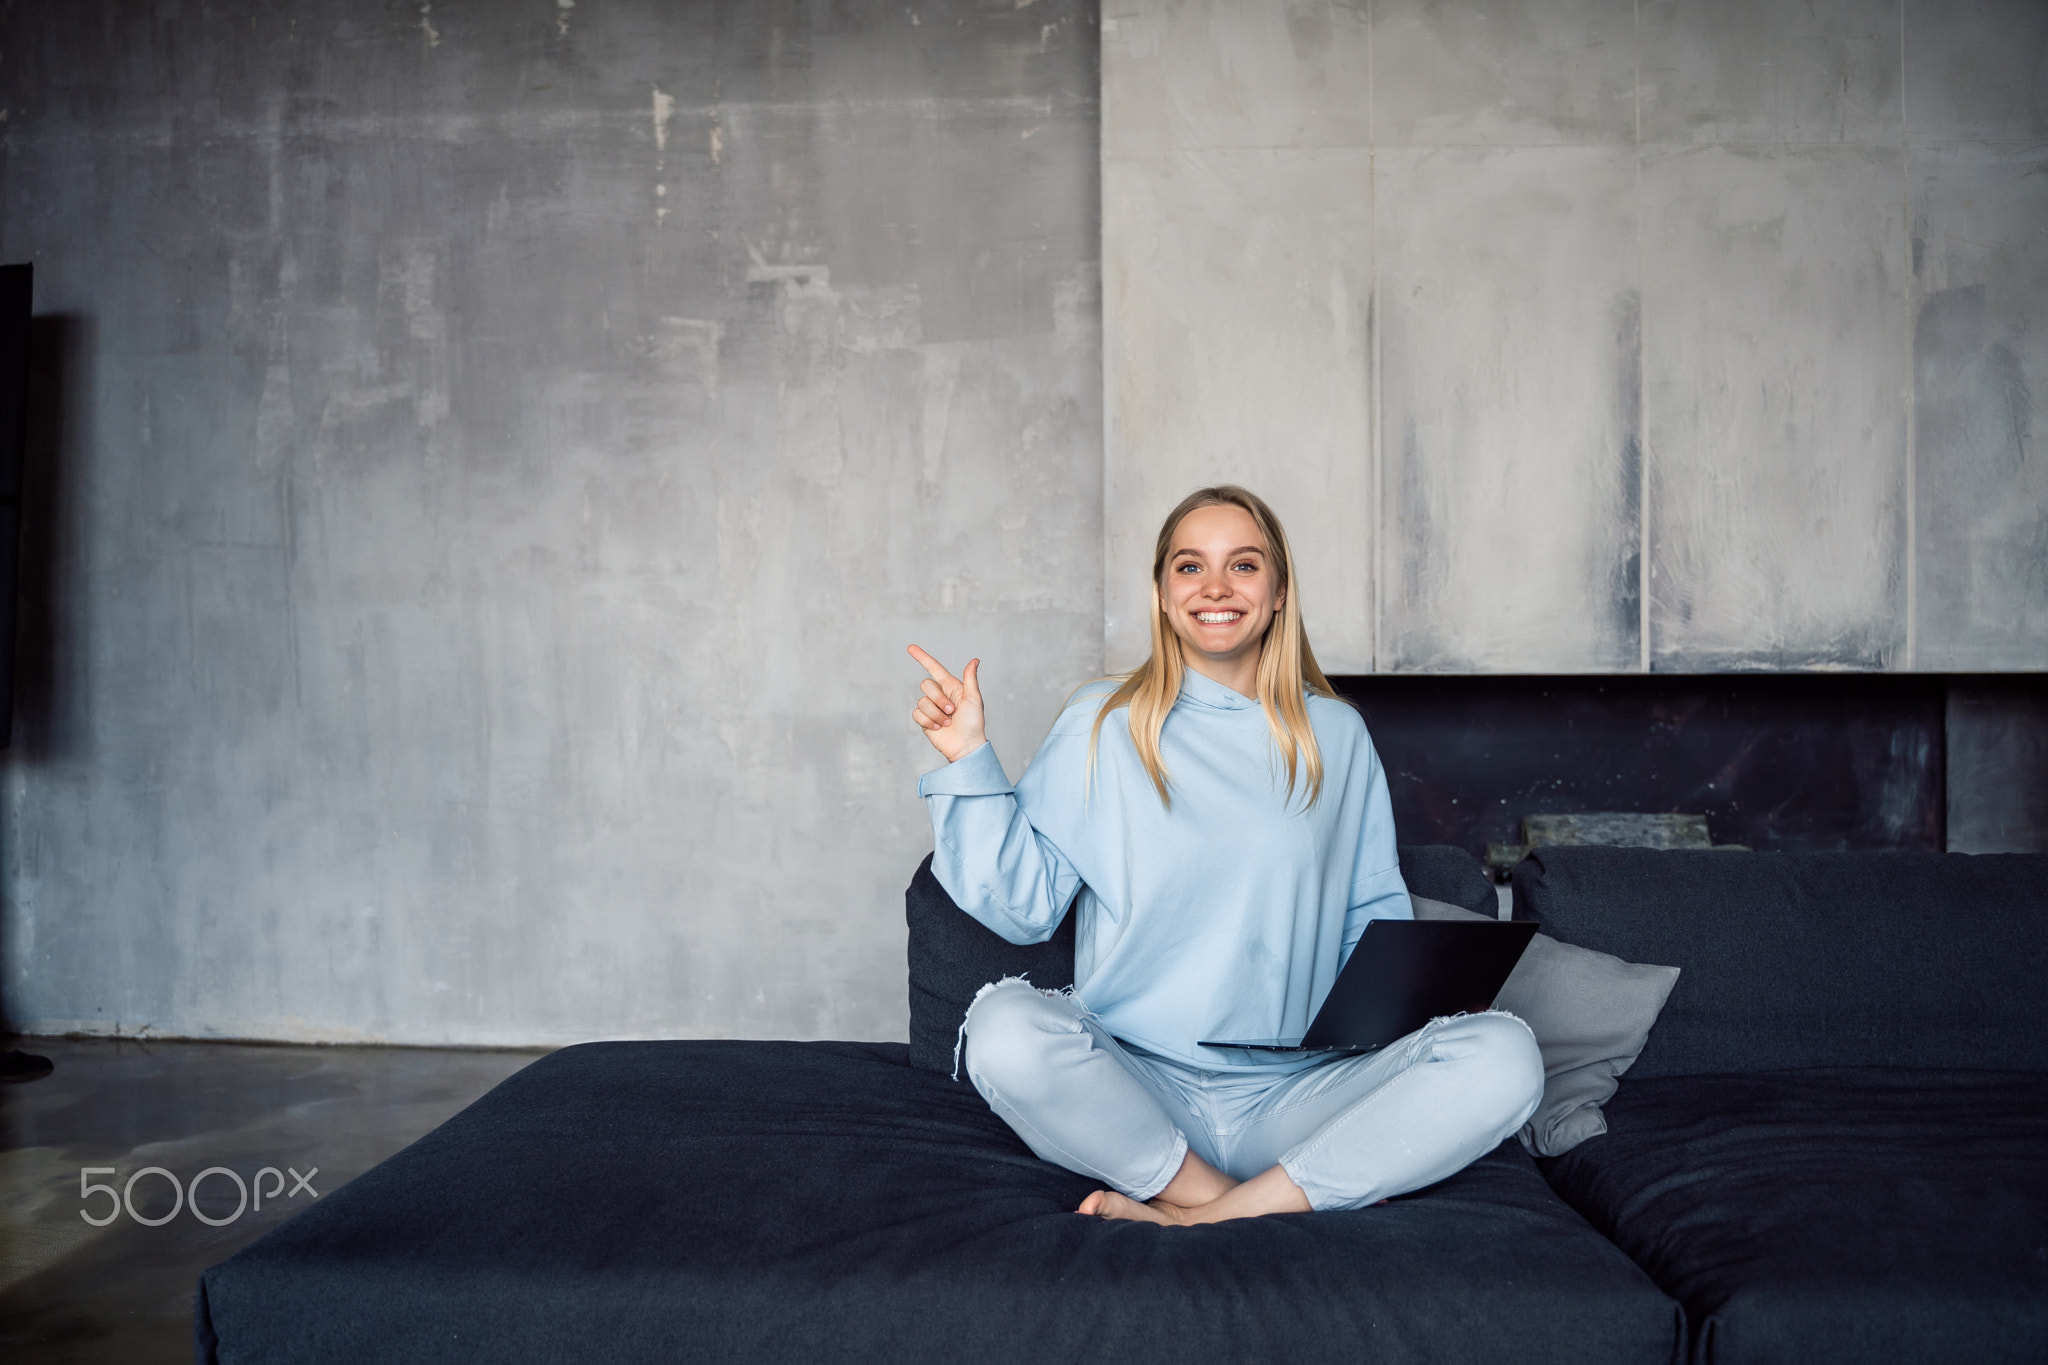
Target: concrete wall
[
  {"x": 1592, "y": 335},
  {"x": 1997, "y": 743},
  {"x": 492, "y": 456}
]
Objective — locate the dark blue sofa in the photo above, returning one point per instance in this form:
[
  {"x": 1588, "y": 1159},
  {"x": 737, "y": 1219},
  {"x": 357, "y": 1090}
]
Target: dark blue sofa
[
  {"x": 770, "y": 1201},
  {"x": 1835, "y": 1145}
]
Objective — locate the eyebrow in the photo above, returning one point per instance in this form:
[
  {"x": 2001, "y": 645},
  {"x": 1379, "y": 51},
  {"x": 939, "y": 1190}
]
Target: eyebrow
[{"x": 1240, "y": 550}]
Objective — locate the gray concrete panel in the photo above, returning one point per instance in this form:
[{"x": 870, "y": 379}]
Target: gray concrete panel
[
  {"x": 1977, "y": 70},
  {"x": 1768, "y": 71},
  {"x": 1223, "y": 73},
  {"x": 1980, "y": 393},
  {"x": 1509, "y": 372},
  {"x": 1503, "y": 72},
  {"x": 1777, "y": 331},
  {"x": 1774, "y": 309},
  {"x": 1997, "y": 749},
  {"x": 1237, "y": 286},
  {"x": 503, "y": 453}
]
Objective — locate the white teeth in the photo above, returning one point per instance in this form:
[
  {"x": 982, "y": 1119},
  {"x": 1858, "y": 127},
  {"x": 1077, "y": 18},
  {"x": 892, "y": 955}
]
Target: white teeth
[{"x": 1217, "y": 618}]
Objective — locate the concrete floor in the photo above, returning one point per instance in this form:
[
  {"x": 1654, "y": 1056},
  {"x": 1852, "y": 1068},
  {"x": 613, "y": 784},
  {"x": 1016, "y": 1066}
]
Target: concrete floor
[{"x": 70, "y": 1291}]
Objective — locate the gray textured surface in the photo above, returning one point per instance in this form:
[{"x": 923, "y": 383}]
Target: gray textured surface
[
  {"x": 1503, "y": 73},
  {"x": 1618, "y": 829},
  {"x": 504, "y": 451},
  {"x": 1192, "y": 74},
  {"x": 1773, "y": 295},
  {"x": 1512, "y": 471},
  {"x": 1241, "y": 272},
  {"x": 494, "y": 453},
  {"x": 1997, "y": 741},
  {"x": 1807, "y": 236},
  {"x": 1977, "y": 70},
  {"x": 1980, "y": 390},
  {"x": 1764, "y": 71},
  {"x": 74, "y": 1293}
]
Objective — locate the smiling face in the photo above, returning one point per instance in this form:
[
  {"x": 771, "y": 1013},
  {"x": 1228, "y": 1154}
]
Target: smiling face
[{"x": 1218, "y": 588}]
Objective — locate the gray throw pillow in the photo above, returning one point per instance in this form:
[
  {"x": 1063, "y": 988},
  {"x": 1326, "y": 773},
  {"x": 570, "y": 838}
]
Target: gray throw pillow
[{"x": 1591, "y": 1014}]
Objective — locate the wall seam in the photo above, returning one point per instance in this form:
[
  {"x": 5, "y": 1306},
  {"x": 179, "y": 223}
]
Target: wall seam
[
  {"x": 1376, "y": 472},
  {"x": 1102, "y": 502},
  {"x": 1642, "y": 373},
  {"x": 1912, "y": 555}
]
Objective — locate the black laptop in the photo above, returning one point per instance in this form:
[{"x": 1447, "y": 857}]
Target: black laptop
[{"x": 1402, "y": 974}]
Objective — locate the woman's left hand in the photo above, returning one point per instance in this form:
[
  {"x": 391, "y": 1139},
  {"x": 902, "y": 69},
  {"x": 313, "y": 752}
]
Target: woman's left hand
[{"x": 950, "y": 712}]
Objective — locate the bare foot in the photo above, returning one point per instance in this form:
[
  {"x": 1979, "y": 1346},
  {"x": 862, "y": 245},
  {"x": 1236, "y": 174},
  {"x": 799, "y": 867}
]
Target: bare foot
[
  {"x": 1110, "y": 1204},
  {"x": 1270, "y": 1191},
  {"x": 1195, "y": 1184}
]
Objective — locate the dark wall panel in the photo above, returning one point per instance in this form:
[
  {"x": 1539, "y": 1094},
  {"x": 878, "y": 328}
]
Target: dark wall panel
[
  {"x": 1773, "y": 761},
  {"x": 16, "y": 302},
  {"x": 1998, "y": 764}
]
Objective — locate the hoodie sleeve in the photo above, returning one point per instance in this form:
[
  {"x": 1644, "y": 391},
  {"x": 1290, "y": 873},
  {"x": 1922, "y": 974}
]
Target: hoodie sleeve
[{"x": 987, "y": 855}]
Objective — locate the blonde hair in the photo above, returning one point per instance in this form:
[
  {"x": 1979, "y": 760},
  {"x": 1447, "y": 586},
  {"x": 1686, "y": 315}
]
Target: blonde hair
[{"x": 1287, "y": 666}]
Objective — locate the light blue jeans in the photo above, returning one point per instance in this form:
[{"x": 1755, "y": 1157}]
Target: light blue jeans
[{"x": 1349, "y": 1132}]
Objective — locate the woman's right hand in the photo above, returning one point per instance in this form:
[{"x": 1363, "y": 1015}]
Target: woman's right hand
[{"x": 949, "y": 713}]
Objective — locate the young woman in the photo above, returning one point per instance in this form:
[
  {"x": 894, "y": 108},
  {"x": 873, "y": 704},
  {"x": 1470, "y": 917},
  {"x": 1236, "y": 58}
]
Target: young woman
[{"x": 1225, "y": 821}]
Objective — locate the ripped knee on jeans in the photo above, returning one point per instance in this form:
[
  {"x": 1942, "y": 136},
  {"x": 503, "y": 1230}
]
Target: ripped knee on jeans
[{"x": 1023, "y": 983}]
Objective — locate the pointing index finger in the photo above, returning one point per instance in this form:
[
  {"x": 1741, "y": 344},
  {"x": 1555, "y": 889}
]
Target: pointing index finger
[{"x": 932, "y": 666}]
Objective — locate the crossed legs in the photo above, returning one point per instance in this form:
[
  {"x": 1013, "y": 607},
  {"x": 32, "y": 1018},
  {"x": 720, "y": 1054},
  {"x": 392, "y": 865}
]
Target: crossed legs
[{"x": 1340, "y": 1135}]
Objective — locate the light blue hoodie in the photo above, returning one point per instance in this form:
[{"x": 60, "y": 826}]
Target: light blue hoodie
[{"x": 1225, "y": 916}]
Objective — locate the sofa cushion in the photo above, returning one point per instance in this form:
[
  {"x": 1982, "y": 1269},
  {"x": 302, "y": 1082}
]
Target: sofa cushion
[
  {"x": 1443, "y": 873},
  {"x": 769, "y": 1201},
  {"x": 952, "y": 955},
  {"x": 1852, "y": 1214},
  {"x": 1815, "y": 959},
  {"x": 1591, "y": 1014}
]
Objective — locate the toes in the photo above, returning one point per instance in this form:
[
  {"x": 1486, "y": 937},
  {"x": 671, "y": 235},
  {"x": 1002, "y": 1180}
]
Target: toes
[{"x": 1108, "y": 1204}]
